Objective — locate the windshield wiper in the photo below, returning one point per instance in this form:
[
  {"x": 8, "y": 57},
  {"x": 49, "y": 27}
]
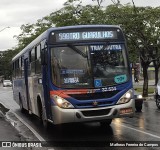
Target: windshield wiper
[{"x": 77, "y": 50}]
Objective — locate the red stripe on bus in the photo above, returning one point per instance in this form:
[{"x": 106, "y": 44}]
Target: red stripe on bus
[{"x": 64, "y": 93}]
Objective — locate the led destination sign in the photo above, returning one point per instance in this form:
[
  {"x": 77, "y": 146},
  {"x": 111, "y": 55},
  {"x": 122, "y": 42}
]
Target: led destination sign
[{"x": 86, "y": 35}]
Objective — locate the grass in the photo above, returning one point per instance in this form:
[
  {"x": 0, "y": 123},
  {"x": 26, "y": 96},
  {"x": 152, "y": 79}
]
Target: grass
[{"x": 140, "y": 90}]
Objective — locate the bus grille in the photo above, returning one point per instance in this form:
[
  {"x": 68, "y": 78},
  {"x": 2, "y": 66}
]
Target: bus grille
[
  {"x": 92, "y": 96},
  {"x": 99, "y": 104},
  {"x": 96, "y": 112}
]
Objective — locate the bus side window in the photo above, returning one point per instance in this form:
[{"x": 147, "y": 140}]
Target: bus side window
[
  {"x": 30, "y": 57},
  {"x": 17, "y": 69},
  {"x": 29, "y": 63},
  {"x": 22, "y": 66},
  {"x": 38, "y": 60},
  {"x": 32, "y": 61},
  {"x": 13, "y": 70}
]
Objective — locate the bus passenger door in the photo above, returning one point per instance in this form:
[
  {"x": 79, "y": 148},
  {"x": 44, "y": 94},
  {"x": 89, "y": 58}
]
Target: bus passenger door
[{"x": 26, "y": 82}]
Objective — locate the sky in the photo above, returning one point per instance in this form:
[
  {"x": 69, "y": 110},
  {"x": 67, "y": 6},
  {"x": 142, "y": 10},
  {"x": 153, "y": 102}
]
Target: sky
[{"x": 14, "y": 13}]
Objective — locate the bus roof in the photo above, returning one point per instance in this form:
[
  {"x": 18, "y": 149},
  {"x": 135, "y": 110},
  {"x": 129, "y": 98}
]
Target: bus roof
[{"x": 46, "y": 33}]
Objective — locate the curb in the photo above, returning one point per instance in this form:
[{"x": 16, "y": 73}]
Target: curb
[
  {"x": 150, "y": 97},
  {"x": 25, "y": 134},
  {"x": 22, "y": 129}
]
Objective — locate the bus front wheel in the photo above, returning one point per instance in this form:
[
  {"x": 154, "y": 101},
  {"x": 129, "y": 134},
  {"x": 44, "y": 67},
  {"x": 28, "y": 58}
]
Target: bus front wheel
[
  {"x": 42, "y": 116},
  {"x": 158, "y": 101},
  {"x": 21, "y": 104},
  {"x": 106, "y": 123}
]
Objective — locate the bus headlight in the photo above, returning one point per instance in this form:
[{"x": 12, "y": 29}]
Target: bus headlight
[
  {"x": 126, "y": 97},
  {"x": 139, "y": 96},
  {"x": 62, "y": 103}
]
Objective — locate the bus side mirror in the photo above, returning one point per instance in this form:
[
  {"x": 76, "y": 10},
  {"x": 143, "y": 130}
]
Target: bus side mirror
[{"x": 43, "y": 57}]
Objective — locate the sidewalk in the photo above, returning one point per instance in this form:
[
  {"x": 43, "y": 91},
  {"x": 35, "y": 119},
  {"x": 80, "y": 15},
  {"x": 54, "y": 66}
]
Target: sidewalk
[
  {"x": 14, "y": 135},
  {"x": 7, "y": 132},
  {"x": 141, "y": 80},
  {"x": 151, "y": 83},
  {"x": 140, "y": 83}
]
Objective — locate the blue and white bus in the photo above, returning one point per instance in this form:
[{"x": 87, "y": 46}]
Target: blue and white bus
[{"x": 75, "y": 74}]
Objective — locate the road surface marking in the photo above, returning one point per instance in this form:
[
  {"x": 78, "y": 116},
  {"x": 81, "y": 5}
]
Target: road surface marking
[
  {"x": 29, "y": 127},
  {"x": 150, "y": 134},
  {"x": 26, "y": 124}
]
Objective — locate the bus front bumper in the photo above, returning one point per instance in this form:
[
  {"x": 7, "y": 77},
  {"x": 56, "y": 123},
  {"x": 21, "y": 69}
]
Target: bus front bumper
[{"x": 61, "y": 116}]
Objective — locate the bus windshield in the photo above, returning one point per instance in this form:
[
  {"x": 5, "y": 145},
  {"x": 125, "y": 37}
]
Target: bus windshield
[{"x": 89, "y": 66}]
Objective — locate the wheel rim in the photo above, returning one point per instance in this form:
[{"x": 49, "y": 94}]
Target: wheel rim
[
  {"x": 21, "y": 107},
  {"x": 20, "y": 103},
  {"x": 158, "y": 101},
  {"x": 44, "y": 122}
]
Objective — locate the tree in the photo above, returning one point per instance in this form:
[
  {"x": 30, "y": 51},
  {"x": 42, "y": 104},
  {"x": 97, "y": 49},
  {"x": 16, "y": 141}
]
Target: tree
[
  {"x": 148, "y": 32},
  {"x": 141, "y": 31},
  {"x": 5, "y": 64},
  {"x": 141, "y": 26},
  {"x": 155, "y": 54},
  {"x": 99, "y": 2},
  {"x": 155, "y": 39}
]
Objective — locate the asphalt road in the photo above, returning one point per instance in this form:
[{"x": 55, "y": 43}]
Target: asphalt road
[{"x": 143, "y": 128}]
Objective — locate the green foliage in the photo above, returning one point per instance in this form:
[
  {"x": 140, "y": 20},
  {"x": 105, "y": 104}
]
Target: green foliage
[
  {"x": 141, "y": 25},
  {"x": 5, "y": 63},
  {"x": 151, "y": 90}
]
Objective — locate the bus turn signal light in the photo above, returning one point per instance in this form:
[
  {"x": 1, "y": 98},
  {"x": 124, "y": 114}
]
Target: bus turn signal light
[{"x": 126, "y": 111}]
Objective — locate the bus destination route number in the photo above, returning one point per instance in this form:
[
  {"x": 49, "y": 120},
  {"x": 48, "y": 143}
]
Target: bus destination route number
[{"x": 92, "y": 35}]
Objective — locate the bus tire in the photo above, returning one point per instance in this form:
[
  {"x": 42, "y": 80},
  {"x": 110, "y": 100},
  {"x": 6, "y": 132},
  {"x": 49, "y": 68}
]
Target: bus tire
[
  {"x": 42, "y": 115},
  {"x": 21, "y": 104},
  {"x": 106, "y": 123},
  {"x": 139, "y": 108},
  {"x": 158, "y": 101}
]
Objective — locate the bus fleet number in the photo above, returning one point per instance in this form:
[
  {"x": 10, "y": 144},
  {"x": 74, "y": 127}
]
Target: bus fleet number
[{"x": 109, "y": 89}]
